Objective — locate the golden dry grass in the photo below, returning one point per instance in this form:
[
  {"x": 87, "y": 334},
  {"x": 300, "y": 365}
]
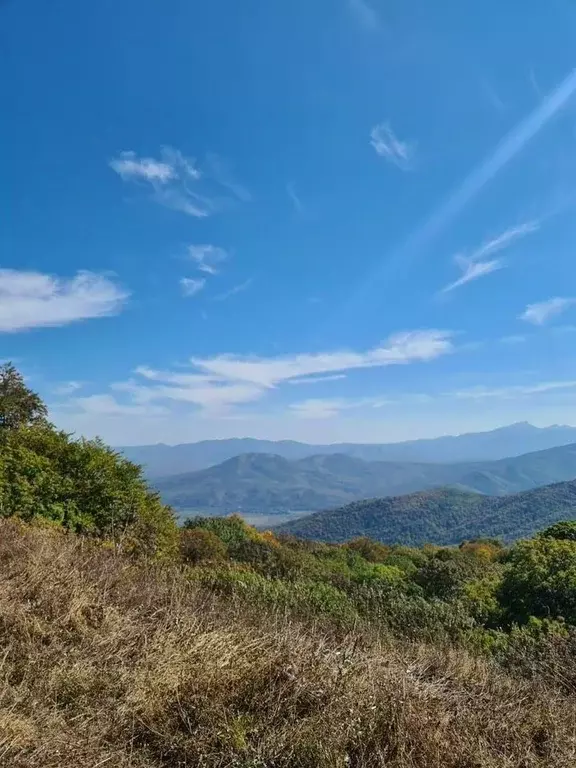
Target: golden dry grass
[{"x": 104, "y": 662}]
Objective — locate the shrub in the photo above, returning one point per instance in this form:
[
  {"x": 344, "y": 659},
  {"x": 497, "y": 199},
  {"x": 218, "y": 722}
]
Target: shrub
[
  {"x": 198, "y": 545},
  {"x": 565, "y": 530},
  {"x": 81, "y": 485},
  {"x": 540, "y": 580}
]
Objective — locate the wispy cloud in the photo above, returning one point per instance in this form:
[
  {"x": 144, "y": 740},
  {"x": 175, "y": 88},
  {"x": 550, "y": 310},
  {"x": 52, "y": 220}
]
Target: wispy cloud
[
  {"x": 67, "y": 388},
  {"x": 388, "y": 146},
  {"x": 513, "y": 339},
  {"x": 34, "y": 300},
  {"x": 365, "y": 15},
  {"x": 218, "y": 384},
  {"x": 190, "y": 286},
  {"x": 401, "y": 348},
  {"x": 129, "y": 167},
  {"x": 318, "y": 408},
  {"x": 504, "y": 240},
  {"x": 177, "y": 183},
  {"x": 542, "y": 311},
  {"x": 493, "y": 96},
  {"x": 472, "y": 271},
  {"x": 206, "y": 391},
  {"x": 511, "y": 392},
  {"x": 291, "y": 192},
  {"x": 219, "y": 170},
  {"x": 318, "y": 379},
  {"x": 234, "y": 290},
  {"x": 327, "y": 408},
  {"x": 107, "y": 405},
  {"x": 475, "y": 266},
  {"x": 207, "y": 257},
  {"x": 534, "y": 83}
]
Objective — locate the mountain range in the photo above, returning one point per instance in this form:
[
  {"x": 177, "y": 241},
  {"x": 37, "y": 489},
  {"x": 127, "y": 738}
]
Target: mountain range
[
  {"x": 268, "y": 483},
  {"x": 441, "y": 516},
  {"x": 160, "y": 460}
]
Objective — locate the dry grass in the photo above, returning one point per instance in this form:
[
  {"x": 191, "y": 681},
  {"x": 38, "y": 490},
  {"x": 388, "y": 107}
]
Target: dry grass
[{"x": 106, "y": 663}]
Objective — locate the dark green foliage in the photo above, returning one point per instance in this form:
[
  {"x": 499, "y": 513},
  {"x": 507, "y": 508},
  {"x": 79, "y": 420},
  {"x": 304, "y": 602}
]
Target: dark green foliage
[
  {"x": 81, "y": 485},
  {"x": 444, "y": 516},
  {"x": 562, "y": 530},
  {"x": 19, "y": 405},
  {"x": 540, "y": 580}
]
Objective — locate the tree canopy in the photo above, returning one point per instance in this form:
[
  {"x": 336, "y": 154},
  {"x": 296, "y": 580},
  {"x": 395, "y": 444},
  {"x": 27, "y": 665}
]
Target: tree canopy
[
  {"x": 82, "y": 485},
  {"x": 19, "y": 405}
]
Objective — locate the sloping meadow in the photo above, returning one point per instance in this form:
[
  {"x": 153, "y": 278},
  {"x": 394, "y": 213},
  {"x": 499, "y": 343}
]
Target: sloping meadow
[{"x": 109, "y": 661}]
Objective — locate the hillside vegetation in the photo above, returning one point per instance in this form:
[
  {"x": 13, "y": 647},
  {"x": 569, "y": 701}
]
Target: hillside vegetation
[
  {"x": 267, "y": 483},
  {"x": 79, "y": 484},
  {"x": 129, "y": 642},
  {"x": 442, "y": 516},
  {"x": 106, "y": 660}
]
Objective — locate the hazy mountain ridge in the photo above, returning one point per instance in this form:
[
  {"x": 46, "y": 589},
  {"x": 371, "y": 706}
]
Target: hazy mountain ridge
[
  {"x": 269, "y": 483},
  {"x": 441, "y": 516},
  {"x": 511, "y": 440}
]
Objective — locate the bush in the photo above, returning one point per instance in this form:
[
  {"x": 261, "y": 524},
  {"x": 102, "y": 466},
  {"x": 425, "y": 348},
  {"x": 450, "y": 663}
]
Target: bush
[
  {"x": 198, "y": 545},
  {"x": 81, "y": 485},
  {"x": 540, "y": 580}
]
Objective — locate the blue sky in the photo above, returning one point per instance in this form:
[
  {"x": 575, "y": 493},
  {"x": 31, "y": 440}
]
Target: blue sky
[{"x": 339, "y": 220}]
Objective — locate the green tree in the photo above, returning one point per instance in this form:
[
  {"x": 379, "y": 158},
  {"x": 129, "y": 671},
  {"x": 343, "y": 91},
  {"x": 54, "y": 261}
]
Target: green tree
[
  {"x": 540, "y": 580},
  {"x": 19, "y": 405},
  {"x": 562, "y": 530},
  {"x": 84, "y": 486}
]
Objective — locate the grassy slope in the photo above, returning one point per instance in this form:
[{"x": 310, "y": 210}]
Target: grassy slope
[
  {"x": 442, "y": 516},
  {"x": 109, "y": 663},
  {"x": 270, "y": 483}
]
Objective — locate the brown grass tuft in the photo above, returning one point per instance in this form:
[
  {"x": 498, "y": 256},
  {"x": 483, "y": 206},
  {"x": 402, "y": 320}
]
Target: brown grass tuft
[{"x": 108, "y": 663}]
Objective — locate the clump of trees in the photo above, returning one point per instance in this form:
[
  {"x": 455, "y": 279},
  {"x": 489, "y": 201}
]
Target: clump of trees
[
  {"x": 82, "y": 485},
  {"x": 481, "y": 594}
]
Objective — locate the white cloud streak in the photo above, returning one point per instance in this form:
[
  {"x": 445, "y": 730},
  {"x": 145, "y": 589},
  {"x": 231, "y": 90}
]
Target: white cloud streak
[
  {"x": 387, "y": 145},
  {"x": 68, "y": 388},
  {"x": 474, "y": 266},
  {"x": 190, "y": 286},
  {"x": 107, "y": 405},
  {"x": 176, "y": 182},
  {"x": 542, "y": 311},
  {"x": 511, "y": 392},
  {"x": 234, "y": 290},
  {"x": 217, "y": 384},
  {"x": 129, "y": 167},
  {"x": 34, "y": 300},
  {"x": 401, "y": 348},
  {"x": 318, "y": 379},
  {"x": 296, "y": 202},
  {"x": 472, "y": 271},
  {"x": 207, "y": 257},
  {"x": 327, "y": 408}
]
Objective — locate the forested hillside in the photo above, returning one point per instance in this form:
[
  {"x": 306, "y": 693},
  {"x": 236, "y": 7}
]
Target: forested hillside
[{"x": 441, "y": 516}]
